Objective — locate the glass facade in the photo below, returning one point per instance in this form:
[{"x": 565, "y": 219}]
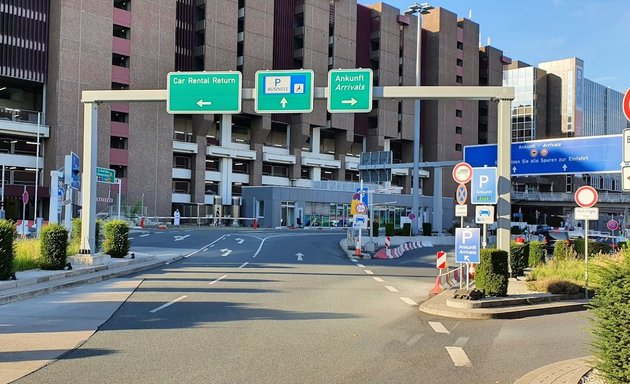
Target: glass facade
[{"x": 524, "y": 104}]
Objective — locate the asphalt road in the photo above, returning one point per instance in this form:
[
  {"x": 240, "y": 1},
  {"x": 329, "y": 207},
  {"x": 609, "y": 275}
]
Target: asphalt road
[{"x": 289, "y": 307}]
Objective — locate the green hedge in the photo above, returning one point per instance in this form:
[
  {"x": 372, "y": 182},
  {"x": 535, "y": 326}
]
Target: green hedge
[
  {"x": 491, "y": 275},
  {"x": 519, "y": 258},
  {"x": 375, "y": 229},
  {"x": 426, "y": 229},
  {"x": 7, "y": 248},
  {"x": 53, "y": 246},
  {"x": 116, "y": 238},
  {"x": 406, "y": 229},
  {"x": 562, "y": 250},
  {"x": 611, "y": 310},
  {"x": 389, "y": 229},
  {"x": 76, "y": 232},
  {"x": 537, "y": 253}
]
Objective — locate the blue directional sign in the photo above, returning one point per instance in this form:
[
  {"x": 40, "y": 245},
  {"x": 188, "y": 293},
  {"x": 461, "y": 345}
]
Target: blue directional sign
[
  {"x": 593, "y": 154},
  {"x": 467, "y": 245},
  {"x": 365, "y": 199},
  {"x": 483, "y": 186}
]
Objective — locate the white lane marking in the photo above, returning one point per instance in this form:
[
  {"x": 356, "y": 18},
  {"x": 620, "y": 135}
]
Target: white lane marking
[
  {"x": 459, "y": 357},
  {"x": 378, "y": 279},
  {"x": 438, "y": 327},
  {"x": 239, "y": 240},
  {"x": 243, "y": 265},
  {"x": 226, "y": 252},
  {"x": 260, "y": 246},
  {"x": 408, "y": 301},
  {"x": 391, "y": 289},
  {"x": 368, "y": 272},
  {"x": 355, "y": 260},
  {"x": 217, "y": 280},
  {"x": 161, "y": 307},
  {"x": 299, "y": 256},
  {"x": 461, "y": 342},
  {"x": 202, "y": 248},
  {"x": 180, "y": 238},
  {"x": 130, "y": 238},
  {"x": 145, "y": 235},
  {"x": 360, "y": 265},
  {"x": 414, "y": 339}
]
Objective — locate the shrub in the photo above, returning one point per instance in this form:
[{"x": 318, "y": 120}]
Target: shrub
[
  {"x": 389, "y": 229},
  {"x": 7, "y": 250},
  {"x": 54, "y": 244},
  {"x": 611, "y": 311},
  {"x": 406, "y": 229},
  {"x": 116, "y": 242},
  {"x": 566, "y": 287},
  {"x": 491, "y": 274},
  {"x": 426, "y": 229},
  {"x": 28, "y": 255},
  {"x": 76, "y": 230},
  {"x": 563, "y": 250},
  {"x": 375, "y": 229},
  {"x": 76, "y": 233},
  {"x": 594, "y": 247},
  {"x": 515, "y": 230},
  {"x": 519, "y": 258},
  {"x": 537, "y": 253}
]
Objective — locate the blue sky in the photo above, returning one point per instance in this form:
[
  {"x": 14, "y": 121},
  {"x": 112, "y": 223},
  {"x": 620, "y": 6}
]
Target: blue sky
[{"x": 535, "y": 31}]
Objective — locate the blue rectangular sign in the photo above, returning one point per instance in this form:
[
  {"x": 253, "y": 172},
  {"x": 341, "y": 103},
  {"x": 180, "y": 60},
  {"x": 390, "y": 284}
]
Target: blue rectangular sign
[
  {"x": 592, "y": 154},
  {"x": 467, "y": 245},
  {"x": 483, "y": 186},
  {"x": 366, "y": 196}
]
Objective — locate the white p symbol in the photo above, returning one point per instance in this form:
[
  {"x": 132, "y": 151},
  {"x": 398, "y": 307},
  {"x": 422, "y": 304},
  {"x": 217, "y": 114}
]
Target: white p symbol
[
  {"x": 276, "y": 81},
  {"x": 466, "y": 235},
  {"x": 483, "y": 179}
]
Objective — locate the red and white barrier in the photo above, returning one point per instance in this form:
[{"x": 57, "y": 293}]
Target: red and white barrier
[
  {"x": 388, "y": 241},
  {"x": 389, "y": 253}
]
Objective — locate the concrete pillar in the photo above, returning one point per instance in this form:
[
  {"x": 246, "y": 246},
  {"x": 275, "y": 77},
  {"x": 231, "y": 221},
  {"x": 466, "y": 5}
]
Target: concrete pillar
[
  {"x": 236, "y": 210},
  {"x": 218, "y": 208},
  {"x": 315, "y": 140},
  {"x": 225, "y": 185},
  {"x": 316, "y": 173}
]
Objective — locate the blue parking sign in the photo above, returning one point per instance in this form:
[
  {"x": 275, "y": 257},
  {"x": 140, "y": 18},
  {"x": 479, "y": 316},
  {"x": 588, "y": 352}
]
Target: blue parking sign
[
  {"x": 467, "y": 245},
  {"x": 483, "y": 187}
]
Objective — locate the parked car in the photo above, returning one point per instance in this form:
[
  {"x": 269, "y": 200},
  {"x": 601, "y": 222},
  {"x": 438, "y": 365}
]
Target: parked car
[
  {"x": 550, "y": 238},
  {"x": 542, "y": 229}
]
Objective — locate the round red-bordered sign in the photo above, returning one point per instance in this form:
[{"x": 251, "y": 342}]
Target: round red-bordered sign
[
  {"x": 462, "y": 173},
  {"x": 25, "y": 197},
  {"x": 613, "y": 225},
  {"x": 626, "y": 104},
  {"x": 361, "y": 208},
  {"x": 586, "y": 196},
  {"x": 461, "y": 195}
]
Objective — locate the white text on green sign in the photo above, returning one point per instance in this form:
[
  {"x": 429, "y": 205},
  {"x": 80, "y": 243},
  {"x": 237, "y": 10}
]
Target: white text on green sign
[
  {"x": 288, "y": 91},
  {"x": 105, "y": 175},
  {"x": 349, "y": 90},
  {"x": 204, "y": 92}
]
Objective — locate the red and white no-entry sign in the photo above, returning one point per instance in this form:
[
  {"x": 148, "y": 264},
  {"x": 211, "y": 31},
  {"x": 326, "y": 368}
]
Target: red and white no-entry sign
[
  {"x": 441, "y": 260},
  {"x": 586, "y": 196},
  {"x": 626, "y": 104},
  {"x": 462, "y": 173}
]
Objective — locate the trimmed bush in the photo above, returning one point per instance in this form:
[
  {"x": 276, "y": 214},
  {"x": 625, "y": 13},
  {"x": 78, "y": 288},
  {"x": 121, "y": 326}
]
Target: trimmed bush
[
  {"x": 76, "y": 233},
  {"x": 406, "y": 229},
  {"x": 564, "y": 287},
  {"x": 562, "y": 250},
  {"x": 519, "y": 258},
  {"x": 54, "y": 244},
  {"x": 7, "y": 250},
  {"x": 375, "y": 229},
  {"x": 491, "y": 275},
  {"x": 537, "y": 253},
  {"x": 611, "y": 310},
  {"x": 389, "y": 229},
  {"x": 116, "y": 242},
  {"x": 426, "y": 229}
]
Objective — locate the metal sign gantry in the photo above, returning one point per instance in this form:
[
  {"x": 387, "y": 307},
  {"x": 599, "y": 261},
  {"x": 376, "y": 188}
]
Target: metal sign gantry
[{"x": 503, "y": 95}]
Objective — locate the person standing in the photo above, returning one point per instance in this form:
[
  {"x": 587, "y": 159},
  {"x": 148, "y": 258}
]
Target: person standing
[{"x": 176, "y": 218}]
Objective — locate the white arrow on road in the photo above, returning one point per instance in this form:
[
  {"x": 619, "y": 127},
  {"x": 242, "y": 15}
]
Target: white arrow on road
[
  {"x": 226, "y": 252},
  {"x": 239, "y": 240},
  {"x": 283, "y": 102},
  {"x": 564, "y": 167},
  {"x": 299, "y": 256},
  {"x": 179, "y": 238},
  {"x": 201, "y": 103},
  {"x": 352, "y": 101}
]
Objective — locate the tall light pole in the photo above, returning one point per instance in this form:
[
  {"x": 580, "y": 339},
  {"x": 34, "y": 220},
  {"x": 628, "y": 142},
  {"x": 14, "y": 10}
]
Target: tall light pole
[
  {"x": 419, "y": 9},
  {"x": 39, "y": 116}
]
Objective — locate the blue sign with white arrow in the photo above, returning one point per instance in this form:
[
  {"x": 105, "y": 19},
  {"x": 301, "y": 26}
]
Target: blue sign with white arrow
[
  {"x": 467, "y": 245},
  {"x": 592, "y": 154},
  {"x": 483, "y": 186}
]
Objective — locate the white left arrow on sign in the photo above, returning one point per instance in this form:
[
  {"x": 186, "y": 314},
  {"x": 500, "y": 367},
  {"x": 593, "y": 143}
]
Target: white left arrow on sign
[
  {"x": 201, "y": 103},
  {"x": 226, "y": 252}
]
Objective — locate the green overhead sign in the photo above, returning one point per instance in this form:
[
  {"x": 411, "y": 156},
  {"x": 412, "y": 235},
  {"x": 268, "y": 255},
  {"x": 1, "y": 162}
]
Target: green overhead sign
[
  {"x": 204, "y": 92},
  {"x": 349, "y": 90},
  {"x": 105, "y": 175},
  {"x": 289, "y": 91}
]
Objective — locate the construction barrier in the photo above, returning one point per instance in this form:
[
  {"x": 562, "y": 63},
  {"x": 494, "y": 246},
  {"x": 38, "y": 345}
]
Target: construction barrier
[
  {"x": 447, "y": 280},
  {"x": 388, "y": 241},
  {"x": 394, "y": 253}
]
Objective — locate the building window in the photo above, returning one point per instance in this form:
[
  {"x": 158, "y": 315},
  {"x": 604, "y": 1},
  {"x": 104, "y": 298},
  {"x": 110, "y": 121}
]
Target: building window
[
  {"x": 122, "y": 4},
  {"x": 458, "y": 130},
  {"x": 121, "y": 32},
  {"x": 460, "y": 62},
  {"x": 460, "y": 45},
  {"x": 277, "y": 136},
  {"x": 119, "y": 86},
  {"x": 352, "y": 176},
  {"x": 305, "y": 173},
  {"x": 181, "y": 186},
  {"x": 241, "y": 167},
  {"x": 240, "y": 135},
  {"x": 120, "y": 60},
  {"x": 182, "y": 162},
  {"x": 214, "y": 135},
  {"x": 212, "y": 188},
  {"x": 569, "y": 184},
  {"x": 328, "y": 174},
  {"x": 121, "y": 170},
  {"x": 275, "y": 170},
  {"x": 118, "y": 142},
  {"x": 459, "y": 113},
  {"x": 212, "y": 163},
  {"x": 237, "y": 189},
  {"x": 459, "y": 79},
  {"x": 458, "y": 147},
  {"x": 120, "y": 117}
]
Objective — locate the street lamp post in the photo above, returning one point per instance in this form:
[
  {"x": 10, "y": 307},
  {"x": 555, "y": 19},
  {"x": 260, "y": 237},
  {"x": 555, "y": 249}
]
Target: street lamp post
[
  {"x": 37, "y": 223},
  {"x": 419, "y": 9}
]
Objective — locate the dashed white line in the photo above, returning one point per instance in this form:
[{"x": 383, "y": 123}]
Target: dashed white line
[
  {"x": 368, "y": 272},
  {"x": 161, "y": 307},
  {"x": 461, "y": 342},
  {"x": 217, "y": 280},
  {"x": 414, "y": 339},
  {"x": 145, "y": 235},
  {"x": 130, "y": 238},
  {"x": 204, "y": 250},
  {"x": 360, "y": 265},
  {"x": 408, "y": 301},
  {"x": 391, "y": 289},
  {"x": 438, "y": 327},
  {"x": 378, "y": 279},
  {"x": 459, "y": 357},
  {"x": 355, "y": 260},
  {"x": 243, "y": 265},
  {"x": 204, "y": 247}
]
